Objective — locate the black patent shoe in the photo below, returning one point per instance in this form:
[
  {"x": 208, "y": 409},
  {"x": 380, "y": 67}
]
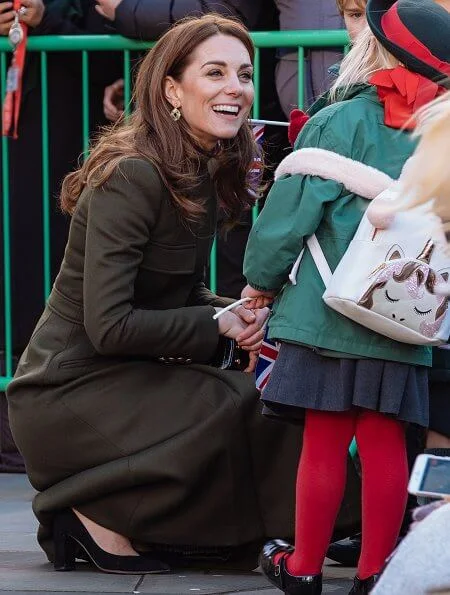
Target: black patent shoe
[
  {"x": 69, "y": 535},
  {"x": 363, "y": 586},
  {"x": 278, "y": 575}
]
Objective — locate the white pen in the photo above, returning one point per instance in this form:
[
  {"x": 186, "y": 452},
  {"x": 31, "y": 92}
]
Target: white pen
[{"x": 231, "y": 306}]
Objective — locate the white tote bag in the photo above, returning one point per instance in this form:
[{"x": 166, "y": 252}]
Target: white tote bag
[{"x": 390, "y": 278}]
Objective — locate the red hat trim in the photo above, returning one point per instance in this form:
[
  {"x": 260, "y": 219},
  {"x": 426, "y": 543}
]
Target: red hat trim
[{"x": 396, "y": 32}]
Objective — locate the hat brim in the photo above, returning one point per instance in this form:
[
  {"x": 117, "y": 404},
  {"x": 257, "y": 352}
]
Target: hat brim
[{"x": 375, "y": 11}]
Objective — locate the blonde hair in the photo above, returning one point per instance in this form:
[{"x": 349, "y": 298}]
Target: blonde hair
[
  {"x": 432, "y": 178},
  {"x": 366, "y": 57}
]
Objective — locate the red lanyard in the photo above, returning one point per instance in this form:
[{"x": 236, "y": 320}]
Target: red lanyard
[{"x": 11, "y": 106}]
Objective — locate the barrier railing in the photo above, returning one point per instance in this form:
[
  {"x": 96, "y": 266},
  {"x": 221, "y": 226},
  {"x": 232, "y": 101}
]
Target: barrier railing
[{"x": 299, "y": 40}]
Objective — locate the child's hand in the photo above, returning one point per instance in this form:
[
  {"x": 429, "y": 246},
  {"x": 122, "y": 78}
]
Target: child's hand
[
  {"x": 259, "y": 299},
  {"x": 253, "y": 358}
]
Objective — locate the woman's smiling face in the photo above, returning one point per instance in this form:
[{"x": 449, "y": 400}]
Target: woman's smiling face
[{"x": 215, "y": 92}]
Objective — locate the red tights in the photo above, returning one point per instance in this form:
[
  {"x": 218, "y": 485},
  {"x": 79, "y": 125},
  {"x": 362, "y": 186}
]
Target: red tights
[{"x": 321, "y": 482}]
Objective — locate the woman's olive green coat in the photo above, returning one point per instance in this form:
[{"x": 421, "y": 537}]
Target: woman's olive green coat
[{"x": 174, "y": 454}]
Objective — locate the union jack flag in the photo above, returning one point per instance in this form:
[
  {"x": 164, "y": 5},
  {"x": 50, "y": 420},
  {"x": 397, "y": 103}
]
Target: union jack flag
[
  {"x": 264, "y": 365},
  {"x": 254, "y": 175},
  {"x": 258, "y": 132}
]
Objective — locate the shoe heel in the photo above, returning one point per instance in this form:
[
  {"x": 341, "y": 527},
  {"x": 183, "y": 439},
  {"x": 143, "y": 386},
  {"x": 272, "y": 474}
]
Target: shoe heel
[{"x": 65, "y": 550}]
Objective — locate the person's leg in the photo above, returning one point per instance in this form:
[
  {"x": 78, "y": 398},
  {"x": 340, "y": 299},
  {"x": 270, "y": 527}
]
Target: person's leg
[
  {"x": 347, "y": 551},
  {"x": 320, "y": 487},
  {"x": 438, "y": 435},
  {"x": 439, "y": 442},
  {"x": 437, "y": 445},
  {"x": 381, "y": 445}
]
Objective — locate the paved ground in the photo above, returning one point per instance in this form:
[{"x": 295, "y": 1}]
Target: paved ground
[{"x": 24, "y": 569}]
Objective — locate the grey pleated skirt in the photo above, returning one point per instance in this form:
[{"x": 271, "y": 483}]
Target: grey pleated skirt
[{"x": 303, "y": 379}]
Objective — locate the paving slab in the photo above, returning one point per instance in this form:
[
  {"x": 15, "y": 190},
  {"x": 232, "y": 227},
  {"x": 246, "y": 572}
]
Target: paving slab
[
  {"x": 219, "y": 584},
  {"x": 24, "y": 569},
  {"x": 29, "y": 571},
  {"x": 189, "y": 583}
]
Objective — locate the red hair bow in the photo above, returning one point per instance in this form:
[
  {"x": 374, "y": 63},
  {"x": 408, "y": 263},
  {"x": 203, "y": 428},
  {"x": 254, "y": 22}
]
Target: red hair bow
[{"x": 402, "y": 93}]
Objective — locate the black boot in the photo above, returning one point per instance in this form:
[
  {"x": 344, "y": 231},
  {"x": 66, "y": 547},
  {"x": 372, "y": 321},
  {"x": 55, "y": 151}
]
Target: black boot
[
  {"x": 346, "y": 551},
  {"x": 363, "y": 586},
  {"x": 278, "y": 575}
]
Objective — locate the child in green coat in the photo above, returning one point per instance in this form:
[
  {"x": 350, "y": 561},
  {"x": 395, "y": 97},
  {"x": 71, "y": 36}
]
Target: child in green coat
[{"x": 337, "y": 377}]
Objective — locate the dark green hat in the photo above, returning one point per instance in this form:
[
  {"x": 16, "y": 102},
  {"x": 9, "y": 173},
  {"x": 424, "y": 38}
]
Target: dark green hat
[{"x": 416, "y": 32}]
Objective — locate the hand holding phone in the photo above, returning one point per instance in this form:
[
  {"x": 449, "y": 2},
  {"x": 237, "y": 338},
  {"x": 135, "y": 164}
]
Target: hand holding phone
[{"x": 430, "y": 477}]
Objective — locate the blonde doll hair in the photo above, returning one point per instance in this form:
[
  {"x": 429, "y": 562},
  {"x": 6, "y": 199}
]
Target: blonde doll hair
[
  {"x": 366, "y": 57},
  {"x": 430, "y": 177}
]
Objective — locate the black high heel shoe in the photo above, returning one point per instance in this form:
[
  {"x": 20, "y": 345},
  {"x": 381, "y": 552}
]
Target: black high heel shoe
[
  {"x": 278, "y": 575},
  {"x": 69, "y": 534},
  {"x": 363, "y": 586}
]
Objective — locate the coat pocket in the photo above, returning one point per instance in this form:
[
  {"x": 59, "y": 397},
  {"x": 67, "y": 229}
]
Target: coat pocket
[
  {"x": 77, "y": 363},
  {"x": 164, "y": 258}
]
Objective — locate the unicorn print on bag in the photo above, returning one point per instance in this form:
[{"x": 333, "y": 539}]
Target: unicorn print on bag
[{"x": 403, "y": 290}]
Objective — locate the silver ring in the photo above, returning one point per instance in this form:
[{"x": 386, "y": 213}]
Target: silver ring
[{"x": 22, "y": 11}]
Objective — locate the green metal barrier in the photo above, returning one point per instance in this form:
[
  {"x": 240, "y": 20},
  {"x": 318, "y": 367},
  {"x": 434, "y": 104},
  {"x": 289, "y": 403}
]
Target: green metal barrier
[{"x": 84, "y": 44}]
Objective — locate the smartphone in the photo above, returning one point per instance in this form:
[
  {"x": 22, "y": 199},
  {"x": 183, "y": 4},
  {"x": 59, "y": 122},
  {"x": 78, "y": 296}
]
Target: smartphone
[{"x": 430, "y": 477}]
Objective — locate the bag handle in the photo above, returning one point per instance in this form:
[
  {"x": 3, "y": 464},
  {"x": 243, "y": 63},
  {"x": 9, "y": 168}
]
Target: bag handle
[
  {"x": 319, "y": 260},
  {"x": 360, "y": 179}
]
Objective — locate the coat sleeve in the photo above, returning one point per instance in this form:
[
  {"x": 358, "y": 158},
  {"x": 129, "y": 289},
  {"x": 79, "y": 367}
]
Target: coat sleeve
[
  {"x": 120, "y": 219},
  {"x": 62, "y": 17},
  {"x": 201, "y": 295},
  {"x": 293, "y": 211},
  {"x": 144, "y": 19}
]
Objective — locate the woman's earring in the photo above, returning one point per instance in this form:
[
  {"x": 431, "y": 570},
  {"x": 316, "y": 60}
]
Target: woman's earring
[{"x": 176, "y": 114}]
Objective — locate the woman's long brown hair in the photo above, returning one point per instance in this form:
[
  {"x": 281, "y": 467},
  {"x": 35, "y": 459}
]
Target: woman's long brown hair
[{"x": 151, "y": 133}]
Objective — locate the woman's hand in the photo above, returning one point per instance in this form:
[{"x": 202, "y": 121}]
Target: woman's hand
[
  {"x": 230, "y": 325},
  {"x": 113, "y": 100},
  {"x": 107, "y": 8},
  {"x": 259, "y": 299},
  {"x": 251, "y": 338},
  {"x": 32, "y": 13},
  {"x": 6, "y": 17}
]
